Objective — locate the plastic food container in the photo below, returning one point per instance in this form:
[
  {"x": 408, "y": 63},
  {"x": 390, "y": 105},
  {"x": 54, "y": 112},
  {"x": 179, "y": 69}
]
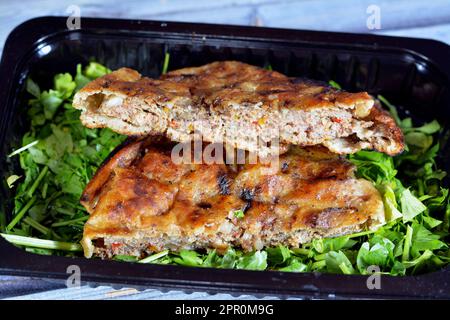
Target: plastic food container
[{"x": 410, "y": 72}]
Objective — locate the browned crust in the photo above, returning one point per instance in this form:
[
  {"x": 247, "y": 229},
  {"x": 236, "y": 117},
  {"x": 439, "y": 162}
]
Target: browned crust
[
  {"x": 121, "y": 158},
  {"x": 385, "y": 123},
  {"x": 215, "y": 87},
  {"x": 141, "y": 199},
  {"x": 220, "y": 83}
]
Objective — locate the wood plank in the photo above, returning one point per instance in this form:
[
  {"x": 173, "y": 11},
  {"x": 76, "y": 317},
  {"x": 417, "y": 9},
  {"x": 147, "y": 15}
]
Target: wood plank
[{"x": 351, "y": 16}]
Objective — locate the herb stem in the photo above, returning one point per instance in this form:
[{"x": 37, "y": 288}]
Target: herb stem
[
  {"x": 37, "y": 181},
  {"x": 21, "y": 213},
  {"x": 44, "y": 190},
  {"x": 41, "y": 243},
  {"x": 154, "y": 257},
  {"x": 23, "y": 148},
  {"x": 68, "y": 222},
  {"x": 39, "y": 227},
  {"x": 64, "y": 211},
  {"x": 407, "y": 244},
  {"x": 360, "y": 234},
  {"x": 166, "y": 63}
]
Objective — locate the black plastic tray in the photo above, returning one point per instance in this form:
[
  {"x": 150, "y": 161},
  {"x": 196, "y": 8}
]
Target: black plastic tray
[{"x": 410, "y": 72}]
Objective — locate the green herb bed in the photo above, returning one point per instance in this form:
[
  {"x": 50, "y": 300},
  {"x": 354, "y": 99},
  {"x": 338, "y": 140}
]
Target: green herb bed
[{"x": 59, "y": 156}]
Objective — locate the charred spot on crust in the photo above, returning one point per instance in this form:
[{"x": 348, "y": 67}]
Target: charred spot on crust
[
  {"x": 106, "y": 83},
  {"x": 204, "y": 205},
  {"x": 247, "y": 194},
  {"x": 224, "y": 184}
]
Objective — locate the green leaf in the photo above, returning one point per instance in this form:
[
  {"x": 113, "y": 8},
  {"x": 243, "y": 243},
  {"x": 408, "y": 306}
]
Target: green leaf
[
  {"x": 419, "y": 140},
  {"x": 423, "y": 239},
  {"x": 212, "y": 259},
  {"x": 431, "y": 222},
  {"x": 80, "y": 79},
  {"x": 398, "y": 269},
  {"x": 379, "y": 251},
  {"x": 337, "y": 262},
  {"x": 278, "y": 255},
  {"x": 374, "y": 166},
  {"x": 51, "y": 100},
  {"x": 188, "y": 258},
  {"x": 334, "y": 84},
  {"x": 239, "y": 214},
  {"x": 253, "y": 261},
  {"x": 64, "y": 84},
  {"x": 294, "y": 265},
  {"x": 427, "y": 254},
  {"x": 38, "y": 155},
  {"x": 332, "y": 244},
  {"x": 32, "y": 88},
  {"x": 125, "y": 258},
  {"x": 411, "y": 206},
  {"x": 229, "y": 260},
  {"x": 95, "y": 70},
  {"x": 446, "y": 225},
  {"x": 428, "y": 128},
  {"x": 390, "y": 203},
  {"x": 11, "y": 180}
]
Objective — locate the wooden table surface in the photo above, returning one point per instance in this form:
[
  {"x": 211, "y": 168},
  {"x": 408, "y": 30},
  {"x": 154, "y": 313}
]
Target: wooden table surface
[{"x": 410, "y": 18}]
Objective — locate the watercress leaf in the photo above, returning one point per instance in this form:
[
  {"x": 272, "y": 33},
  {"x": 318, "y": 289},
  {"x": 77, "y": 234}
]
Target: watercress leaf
[
  {"x": 80, "y": 79},
  {"x": 390, "y": 203},
  {"x": 337, "y": 262},
  {"x": 427, "y": 254},
  {"x": 38, "y": 155},
  {"x": 278, "y": 255},
  {"x": 431, "y": 222},
  {"x": 398, "y": 269},
  {"x": 188, "y": 258},
  {"x": 411, "y": 206},
  {"x": 33, "y": 88},
  {"x": 50, "y": 100},
  {"x": 64, "y": 83},
  {"x": 378, "y": 251},
  {"x": 95, "y": 70},
  {"x": 423, "y": 239},
  {"x": 229, "y": 259},
  {"x": 332, "y": 244},
  {"x": 419, "y": 140},
  {"x": 294, "y": 265},
  {"x": 429, "y": 128},
  {"x": 212, "y": 259},
  {"x": 253, "y": 261}
]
